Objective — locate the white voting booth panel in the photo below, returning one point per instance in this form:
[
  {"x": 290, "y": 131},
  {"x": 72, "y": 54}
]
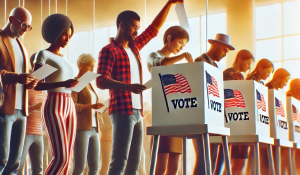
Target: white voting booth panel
[
  {"x": 278, "y": 116},
  {"x": 293, "y": 114},
  {"x": 246, "y": 108},
  {"x": 187, "y": 94}
]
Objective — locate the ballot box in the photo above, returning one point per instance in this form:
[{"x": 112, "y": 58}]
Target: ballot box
[
  {"x": 185, "y": 94},
  {"x": 277, "y": 114},
  {"x": 293, "y": 116},
  {"x": 246, "y": 108}
]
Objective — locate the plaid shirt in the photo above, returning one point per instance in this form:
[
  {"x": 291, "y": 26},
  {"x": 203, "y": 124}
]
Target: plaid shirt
[{"x": 113, "y": 63}]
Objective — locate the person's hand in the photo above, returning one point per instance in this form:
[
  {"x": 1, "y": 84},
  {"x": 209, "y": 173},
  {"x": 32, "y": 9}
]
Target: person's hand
[
  {"x": 70, "y": 83},
  {"x": 237, "y": 76},
  {"x": 175, "y": 1},
  {"x": 136, "y": 88},
  {"x": 26, "y": 78},
  {"x": 187, "y": 56},
  {"x": 32, "y": 84},
  {"x": 97, "y": 106}
]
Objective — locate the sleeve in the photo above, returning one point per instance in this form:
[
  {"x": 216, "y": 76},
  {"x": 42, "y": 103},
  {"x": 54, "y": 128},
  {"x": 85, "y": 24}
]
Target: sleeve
[
  {"x": 40, "y": 58},
  {"x": 106, "y": 62},
  {"x": 227, "y": 75},
  {"x": 145, "y": 37},
  {"x": 9, "y": 77},
  {"x": 75, "y": 99},
  {"x": 154, "y": 60}
]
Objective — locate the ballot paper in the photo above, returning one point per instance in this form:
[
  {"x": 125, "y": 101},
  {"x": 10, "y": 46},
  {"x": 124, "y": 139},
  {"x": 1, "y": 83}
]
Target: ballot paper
[
  {"x": 84, "y": 80},
  {"x": 149, "y": 84},
  {"x": 101, "y": 110},
  {"x": 181, "y": 15},
  {"x": 44, "y": 72}
]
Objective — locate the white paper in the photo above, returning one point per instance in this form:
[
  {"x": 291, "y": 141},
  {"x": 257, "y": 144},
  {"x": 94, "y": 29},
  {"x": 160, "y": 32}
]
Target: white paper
[
  {"x": 84, "y": 80},
  {"x": 44, "y": 71},
  {"x": 148, "y": 84},
  {"x": 181, "y": 15},
  {"x": 101, "y": 110}
]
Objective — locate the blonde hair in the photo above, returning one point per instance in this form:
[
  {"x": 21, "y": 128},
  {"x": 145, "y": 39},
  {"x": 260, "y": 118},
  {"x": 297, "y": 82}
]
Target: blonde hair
[{"x": 85, "y": 58}]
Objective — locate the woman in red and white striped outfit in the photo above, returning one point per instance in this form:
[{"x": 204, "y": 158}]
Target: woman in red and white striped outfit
[{"x": 59, "y": 113}]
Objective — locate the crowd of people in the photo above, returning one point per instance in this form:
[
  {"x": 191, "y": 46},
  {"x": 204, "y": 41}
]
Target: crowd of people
[{"x": 36, "y": 113}]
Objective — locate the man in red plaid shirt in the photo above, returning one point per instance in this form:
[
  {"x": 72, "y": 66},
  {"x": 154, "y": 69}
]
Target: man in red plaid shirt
[{"x": 121, "y": 72}]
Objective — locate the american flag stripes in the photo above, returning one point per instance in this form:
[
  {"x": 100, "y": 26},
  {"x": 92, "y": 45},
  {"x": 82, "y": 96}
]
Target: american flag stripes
[
  {"x": 233, "y": 98},
  {"x": 296, "y": 114},
  {"x": 212, "y": 85},
  {"x": 260, "y": 101},
  {"x": 175, "y": 83},
  {"x": 279, "y": 108}
]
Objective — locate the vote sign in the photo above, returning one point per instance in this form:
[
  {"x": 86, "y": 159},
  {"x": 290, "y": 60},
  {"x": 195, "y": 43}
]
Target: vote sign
[
  {"x": 187, "y": 94},
  {"x": 246, "y": 108},
  {"x": 277, "y": 112}
]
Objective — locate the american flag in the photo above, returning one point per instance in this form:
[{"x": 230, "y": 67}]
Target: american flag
[
  {"x": 260, "y": 101},
  {"x": 175, "y": 83},
  {"x": 296, "y": 114},
  {"x": 233, "y": 98},
  {"x": 279, "y": 108},
  {"x": 212, "y": 85}
]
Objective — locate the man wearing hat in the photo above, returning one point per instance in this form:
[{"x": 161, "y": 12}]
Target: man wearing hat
[
  {"x": 218, "y": 50},
  {"x": 14, "y": 110}
]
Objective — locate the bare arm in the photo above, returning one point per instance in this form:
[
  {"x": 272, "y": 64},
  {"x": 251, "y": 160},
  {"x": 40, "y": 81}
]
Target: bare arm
[
  {"x": 162, "y": 15},
  {"x": 173, "y": 60},
  {"x": 41, "y": 86}
]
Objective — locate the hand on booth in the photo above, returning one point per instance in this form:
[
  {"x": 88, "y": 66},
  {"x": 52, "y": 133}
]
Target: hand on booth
[
  {"x": 188, "y": 57},
  {"x": 136, "y": 88}
]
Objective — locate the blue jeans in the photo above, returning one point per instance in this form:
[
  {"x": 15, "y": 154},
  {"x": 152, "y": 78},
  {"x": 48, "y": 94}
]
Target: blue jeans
[
  {"x": 87, "y": 146},
  {"x": 12, "y": 135},
  {"x": 127, "y": 143},
  {"x": 34, "y": 145}
]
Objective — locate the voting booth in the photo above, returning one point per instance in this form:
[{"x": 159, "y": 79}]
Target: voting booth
[
  {"x": 187, "y": 94},
  {"x": 293, "y": 116},
  {"x": 278, "y": 116},
  {"x": 246, "y": 108}
]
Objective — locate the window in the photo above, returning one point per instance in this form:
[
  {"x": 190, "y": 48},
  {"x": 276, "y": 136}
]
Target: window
[{"x": 277, "y": 35}]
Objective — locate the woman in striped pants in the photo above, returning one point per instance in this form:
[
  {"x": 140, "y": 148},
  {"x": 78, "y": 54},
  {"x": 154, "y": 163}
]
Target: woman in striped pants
[{"x": 59, "y": 113}]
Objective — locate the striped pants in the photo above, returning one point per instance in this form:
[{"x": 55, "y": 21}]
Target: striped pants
[{"x": 59, "y": 117}]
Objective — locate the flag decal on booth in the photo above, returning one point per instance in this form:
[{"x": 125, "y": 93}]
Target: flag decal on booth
[
  {"x": 296, "y": 114},
  {"x": 233, "y": 98},
  {"x": 174, "y": 83},
  {"x": 279, "y": 108},
  {"x": 260, "y": 101},
  {"x": 212, "y": 85}
]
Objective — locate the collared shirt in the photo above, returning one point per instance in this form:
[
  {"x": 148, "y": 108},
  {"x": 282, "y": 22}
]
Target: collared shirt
[
  {"x": 206, "y": 58},
  {"x": 113, "y": 63}
]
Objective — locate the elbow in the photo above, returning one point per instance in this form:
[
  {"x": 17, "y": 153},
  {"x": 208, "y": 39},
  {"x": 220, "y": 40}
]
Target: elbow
[{"x": 101, "y": 83}]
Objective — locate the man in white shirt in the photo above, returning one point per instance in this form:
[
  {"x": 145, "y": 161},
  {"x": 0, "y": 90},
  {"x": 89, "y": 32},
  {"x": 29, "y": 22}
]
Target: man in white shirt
[{"x": 16, "y": 81}]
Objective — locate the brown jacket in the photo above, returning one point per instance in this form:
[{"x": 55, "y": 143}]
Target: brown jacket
[
  {"x": 9, "y": 79},
  {"x": 84, "y": 117}
]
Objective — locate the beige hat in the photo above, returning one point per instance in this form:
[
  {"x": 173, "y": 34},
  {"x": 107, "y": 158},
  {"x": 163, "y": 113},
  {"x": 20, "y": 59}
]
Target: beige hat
[{"x": 222, "y": 39}]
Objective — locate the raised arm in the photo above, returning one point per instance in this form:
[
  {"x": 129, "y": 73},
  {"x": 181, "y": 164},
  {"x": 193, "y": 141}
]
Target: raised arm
[{"x": 162, "y": 15}]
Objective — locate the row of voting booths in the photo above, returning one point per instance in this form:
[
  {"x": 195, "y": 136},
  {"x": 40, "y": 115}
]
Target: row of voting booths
[{"x": 195, "y": 94}]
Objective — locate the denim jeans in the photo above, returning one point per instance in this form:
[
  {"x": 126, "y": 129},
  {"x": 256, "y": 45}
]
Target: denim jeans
[
  {"x": 12, "y": 135},
  {"x": 127, "y": 143},
  {"x": 35, "y": 147},
  {"x": 87, "y": 147}
]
